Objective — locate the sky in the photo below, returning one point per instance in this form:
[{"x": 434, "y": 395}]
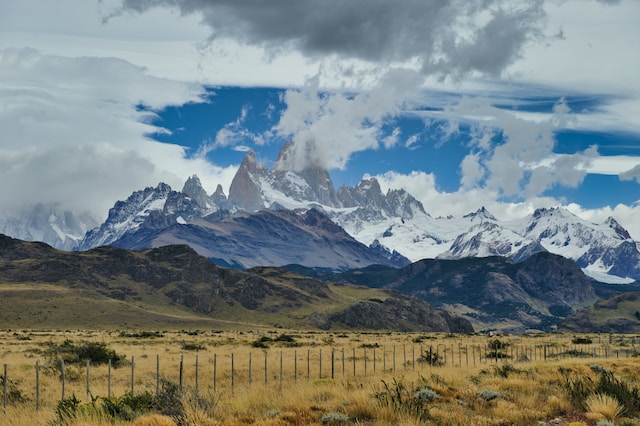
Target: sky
[{"x": 508, "y": 104}]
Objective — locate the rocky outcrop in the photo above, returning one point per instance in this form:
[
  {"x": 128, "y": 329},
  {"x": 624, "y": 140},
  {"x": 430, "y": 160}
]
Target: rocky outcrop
[
  {"x": 399, "y": 313},
  {"x": 245, "y": 191}
]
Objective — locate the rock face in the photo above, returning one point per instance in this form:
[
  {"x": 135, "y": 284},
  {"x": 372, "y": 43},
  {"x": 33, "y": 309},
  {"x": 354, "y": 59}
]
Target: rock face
[
  {"x": 618, "y": 314},
  {"x": 47, "y": 223},
  {"x": 405, "y": 314},
  {"x": 491, "y": 292},
  {"x": 245, "y": 191},
  {"x": 266, "y": 237},
  {"x": 171, "y": 275}
]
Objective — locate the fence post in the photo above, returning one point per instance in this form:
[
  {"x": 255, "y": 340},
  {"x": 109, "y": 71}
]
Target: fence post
[
  {"x": 133, "y": 367},
  {"x": 265, "y": 367},
  {"x": 308, "y": 364},
  {"x": 365, "y": 361},
  {"x": 295, "y": 366},
  {"x": 431, "y": 355},
  {"x": 215, "y": 372},
  {"x": 4, "y": 389},
  {"x": 157, "y": 375},
  {"x": 333, "y": 359},
  {"x": 87, "y": 381},
  {"x": 280, "y": 369},
  {"x": 321, "y": 363},
  {"x": 354, "y": 362},
  {"x": 109, "y": 380},
  {"x": 413, "y": 356},
  {"x": 404, "y": 355},
  {"x": 196, "y": 374},
  {"x": 233, "y": 374},
  {"x": 342, "y": 362},
  {"x": 384, "y": 359},
  {"x": 37, "y": 385},
  {"x": 250, "y": 369},
  {"x": 62, "y": 375},
  {"x": 374, "y": 359},
  {"x": 394, "y": 358},
  {"x": 181, "y": 372}
]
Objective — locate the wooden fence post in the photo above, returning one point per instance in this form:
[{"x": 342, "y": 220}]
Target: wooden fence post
[
  {"x": 5, "y": 396},
  {"x": 321, "y": 363},
  {"x": 280, "y": 369},
  {"x": 133, "y": 368},
  {"x": 374, "y": 359},
  {"x": 295, "y": 366},
  {"x": 333, "y": 365},
  {"x": 250, "y": 369},
  {"x": 109, "y": 379},
  {"x": 62, "y": 375},
  {"x": 181, "y": 372},
  {"x": 157, "y": 375},
  {"x": 196, "y": 374},
  {"x": 365, "y": 361},
  {"x": 354, "y": 362},
  {"x": 37, "y": 385},
  {"x": 265, "y": 367},
  {"x": 87, "y": 381},
  {"x": 233, "y": 374}
]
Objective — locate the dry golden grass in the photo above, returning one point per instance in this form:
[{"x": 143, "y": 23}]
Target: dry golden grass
[
  {"x": 604, "y": 404},
  {"x": 303, "y": 392}
]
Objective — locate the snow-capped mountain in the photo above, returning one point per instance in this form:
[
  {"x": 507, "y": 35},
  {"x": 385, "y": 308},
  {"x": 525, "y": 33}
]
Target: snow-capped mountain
[
  {"x": 63, "y": 229},
  {"x": 391, "y": 222},
  {"x": 155, "y": 208}
]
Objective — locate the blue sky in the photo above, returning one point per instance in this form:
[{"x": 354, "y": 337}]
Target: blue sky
[
  {"x": 512, "y": 104},
  {"x": 252, "y": 113}
]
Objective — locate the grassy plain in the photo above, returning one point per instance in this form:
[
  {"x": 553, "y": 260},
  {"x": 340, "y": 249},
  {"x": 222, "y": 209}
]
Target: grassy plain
[{"x": 283, "y": 377}]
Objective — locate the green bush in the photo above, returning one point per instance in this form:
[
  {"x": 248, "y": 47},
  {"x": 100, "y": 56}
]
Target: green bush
[
  {"x": 14, "y": 394},
  {"x": 579, "y": 386},
  {"x": 94, "y": 352}
]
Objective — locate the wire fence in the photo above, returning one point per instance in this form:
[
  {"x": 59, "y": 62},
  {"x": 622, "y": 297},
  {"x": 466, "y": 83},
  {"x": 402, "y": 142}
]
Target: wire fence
[{"x": 229, "y": 370}]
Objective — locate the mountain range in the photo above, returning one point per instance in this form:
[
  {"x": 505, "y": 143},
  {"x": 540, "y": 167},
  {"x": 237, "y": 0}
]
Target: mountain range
[
  {"x": 286, "y": 215},
  {"x": 174, "y": 287}
]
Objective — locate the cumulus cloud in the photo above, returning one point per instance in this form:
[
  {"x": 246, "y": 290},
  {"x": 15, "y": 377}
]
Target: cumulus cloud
[
  {"x": 74, "y": 131},
  {"x": 521, "y": 161},
  {"x": 449, "y": 38},
  {"x": 633, "y": 173},
  {"x": 328, "y": 127}
]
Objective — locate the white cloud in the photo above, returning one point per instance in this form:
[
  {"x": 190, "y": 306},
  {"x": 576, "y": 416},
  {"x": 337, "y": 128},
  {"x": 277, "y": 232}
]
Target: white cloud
[
  {"x": 74, "y": 134},
  {"x": 452, "y": 38},
  {"x": 328, "y": 127}
]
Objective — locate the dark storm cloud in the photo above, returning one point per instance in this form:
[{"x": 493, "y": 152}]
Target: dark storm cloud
[{"x": 445, "y": 37}]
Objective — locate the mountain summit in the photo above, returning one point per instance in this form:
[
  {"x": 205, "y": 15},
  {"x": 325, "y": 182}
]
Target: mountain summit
[{"x": 393, "y": 224}]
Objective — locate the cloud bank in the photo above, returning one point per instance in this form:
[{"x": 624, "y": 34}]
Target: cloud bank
[
  {"x": 447, "y": 38},
  {"x": 75, "y": 132}
]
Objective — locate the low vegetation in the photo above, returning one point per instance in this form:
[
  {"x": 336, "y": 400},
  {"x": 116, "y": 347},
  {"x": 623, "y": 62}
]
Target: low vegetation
[{"x": 199, "y": 377}]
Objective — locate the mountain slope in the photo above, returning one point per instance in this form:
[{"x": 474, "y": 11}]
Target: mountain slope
[
  {"x": 47, "y": 223},
  {"x": 172, "y": 286},
  {"x": 266, "y": 237},
  {"x": 391, "y": 222},
  {"x": 492, "y": 292}
]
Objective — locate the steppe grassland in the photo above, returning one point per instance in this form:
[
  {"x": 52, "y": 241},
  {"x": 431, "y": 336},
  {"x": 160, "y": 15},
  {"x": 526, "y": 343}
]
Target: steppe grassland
[{"x": 524, "y": 391}]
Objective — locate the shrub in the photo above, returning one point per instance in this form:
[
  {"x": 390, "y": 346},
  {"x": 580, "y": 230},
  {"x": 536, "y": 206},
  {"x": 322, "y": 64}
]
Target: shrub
[
  {"x": 334, "y": 419},
  {"x": 192, "y": 346},
  {"x": 14, "y": 394},
  {"x": 581, "y": 340},
  {"x": 396, "y": 396},
  {"x": 489, "y": 395},
  {"x": 94, "y": 352},
  {"x": 604, "y": 404}
]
